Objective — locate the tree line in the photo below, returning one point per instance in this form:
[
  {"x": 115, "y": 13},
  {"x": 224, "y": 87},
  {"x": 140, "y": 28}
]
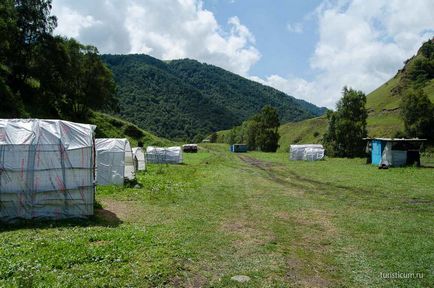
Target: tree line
[{"x": 42, "y": 75}]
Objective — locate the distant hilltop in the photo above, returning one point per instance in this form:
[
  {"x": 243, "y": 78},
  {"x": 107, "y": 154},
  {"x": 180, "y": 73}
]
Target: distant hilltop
[{"x": 184, "y": 99}]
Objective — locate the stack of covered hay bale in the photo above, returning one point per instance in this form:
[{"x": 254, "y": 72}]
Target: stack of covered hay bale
[
  {"x": 46, "y": 169},
  {"x": 139, "y": 159},
  {"x": 115, "y": 161},
  {"x": 308, "y": 152},
  {"x": 164, "y": 155}
]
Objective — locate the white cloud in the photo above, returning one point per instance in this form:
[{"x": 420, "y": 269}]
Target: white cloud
[
  {"x": 72, "y": 22},
  {"x": 166, "y": 29},
  {"x": 295, "y": 28},
  {"x": 362, "y": 43}
]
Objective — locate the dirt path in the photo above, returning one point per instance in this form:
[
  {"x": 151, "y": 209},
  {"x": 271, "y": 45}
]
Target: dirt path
[
  {"x": 314, "y": 229},
  {"x": 264, "y": 166}
]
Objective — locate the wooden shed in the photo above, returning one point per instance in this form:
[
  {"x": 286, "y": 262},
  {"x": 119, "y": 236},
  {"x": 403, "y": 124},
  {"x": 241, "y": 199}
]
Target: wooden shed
[
  {"x": 238, "y": 148},
  {"x": 394, "y": 151}
]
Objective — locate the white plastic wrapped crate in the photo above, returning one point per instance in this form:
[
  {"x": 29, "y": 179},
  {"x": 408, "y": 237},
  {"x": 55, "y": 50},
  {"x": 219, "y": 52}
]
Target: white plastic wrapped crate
[
  {"x": 139, "y": 158},
  {"x": 46, "y": 169},
  {"x": 169, "y": 155},
  {"x": 114, "y": 158},
  {"x": 309, "y": 152}
]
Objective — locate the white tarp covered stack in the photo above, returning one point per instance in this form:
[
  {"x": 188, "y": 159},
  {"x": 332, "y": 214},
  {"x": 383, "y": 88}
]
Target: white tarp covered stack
[
  {"x": 139, "y": 159},
  {"x": 309, "y": 152},
  {"x": 114, "y": 158},
  {"x": 46, "y": 169},
  {"x": 169, "y": 155}
]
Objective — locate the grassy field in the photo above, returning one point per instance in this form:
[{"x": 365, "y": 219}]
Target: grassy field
[{"x": 332, "y": 223}]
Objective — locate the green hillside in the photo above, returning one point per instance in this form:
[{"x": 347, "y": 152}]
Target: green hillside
[
  {"x": 382, "y": 103},
  {"x": 307, "y": 131},
  {"x": 181, "y": 99},
  {"x": 113, "y": 127}
]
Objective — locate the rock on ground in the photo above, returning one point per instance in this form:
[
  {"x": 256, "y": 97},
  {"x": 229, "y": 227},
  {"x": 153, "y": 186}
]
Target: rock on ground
[{"x": 241, "y": 278}]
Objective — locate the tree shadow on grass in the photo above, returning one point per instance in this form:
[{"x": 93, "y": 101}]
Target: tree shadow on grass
[{"x": 101, "y": 218}]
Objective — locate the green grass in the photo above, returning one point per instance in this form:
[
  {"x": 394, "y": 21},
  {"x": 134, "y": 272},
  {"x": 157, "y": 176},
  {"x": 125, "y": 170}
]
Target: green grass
[
  {"x": 336, "y": 223},
  {"x": 382, "y": 98},
  {"x": 385, "y": 125}
]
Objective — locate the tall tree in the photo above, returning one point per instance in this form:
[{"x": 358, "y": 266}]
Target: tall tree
[
  {"x": 213, "y": 137},
  {"x": 261, "y": 132},
  {"x": 34, "y": 24},
  {"x": 90, "y": 84},
  {"x": 417, "y": 112},
  {"x": 267, "y": 137},
  {"x": 10, "y": 105},
  {"x": 52, "y": 76},
  {"x": 347, "y": 126}
]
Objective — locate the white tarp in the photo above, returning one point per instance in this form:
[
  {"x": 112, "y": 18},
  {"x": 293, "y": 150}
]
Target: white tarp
[
  {"x": 46, "y": 169},
  {"x": 309, "y": 152},
  {"x": 114, "y": 158},
  {"x": 170, "y": 155},
  {"x": 139, "y": 158},
  {"x": 393, "y": 157}
]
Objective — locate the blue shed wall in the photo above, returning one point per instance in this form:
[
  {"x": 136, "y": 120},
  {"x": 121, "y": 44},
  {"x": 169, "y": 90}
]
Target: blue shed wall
[
  {"x": 377, "y": 151},
  {"x": 238, "y": 148}
]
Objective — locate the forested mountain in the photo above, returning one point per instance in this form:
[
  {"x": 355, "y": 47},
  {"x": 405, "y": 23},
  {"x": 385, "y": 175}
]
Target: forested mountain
[{"x": 184, "y": 99}]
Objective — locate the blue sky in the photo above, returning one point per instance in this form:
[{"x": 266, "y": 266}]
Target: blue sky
[
  {"x": 309, "y": 49},
  {"x": 284, "y": 52}
]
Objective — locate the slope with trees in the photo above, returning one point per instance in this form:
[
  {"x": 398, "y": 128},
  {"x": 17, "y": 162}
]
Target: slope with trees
[
  {"x": 185, "y": 99},
  {"x": 384, "y": 104},
  {"x": 417, "y": 112}
]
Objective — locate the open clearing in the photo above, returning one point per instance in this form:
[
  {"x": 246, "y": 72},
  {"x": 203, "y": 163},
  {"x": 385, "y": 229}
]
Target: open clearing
[{"x": 333, "y": 223}]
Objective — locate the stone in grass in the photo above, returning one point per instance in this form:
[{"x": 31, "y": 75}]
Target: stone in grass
[{"x": 241, "y": 278}]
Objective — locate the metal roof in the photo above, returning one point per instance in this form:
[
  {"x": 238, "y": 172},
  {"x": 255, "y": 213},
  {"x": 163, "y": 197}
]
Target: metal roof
[{"x": 397, "y": 139}]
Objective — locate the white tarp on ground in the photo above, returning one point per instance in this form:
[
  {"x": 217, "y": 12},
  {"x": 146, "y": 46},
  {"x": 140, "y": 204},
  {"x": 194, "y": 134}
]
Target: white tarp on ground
[
  {"x": 139, "y": 158},
  {"x": 170, "y": 155},
  {"x": 309, "y": 152},
  {"x": 114, "y": 158},
  {"x": 46, "y": 169}
]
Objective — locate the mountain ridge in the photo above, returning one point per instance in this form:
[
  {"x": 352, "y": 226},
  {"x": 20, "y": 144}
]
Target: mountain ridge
[{"x": 185, "y": 99}]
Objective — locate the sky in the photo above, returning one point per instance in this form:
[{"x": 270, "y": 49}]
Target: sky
[{"x": 309, "y": 49}]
